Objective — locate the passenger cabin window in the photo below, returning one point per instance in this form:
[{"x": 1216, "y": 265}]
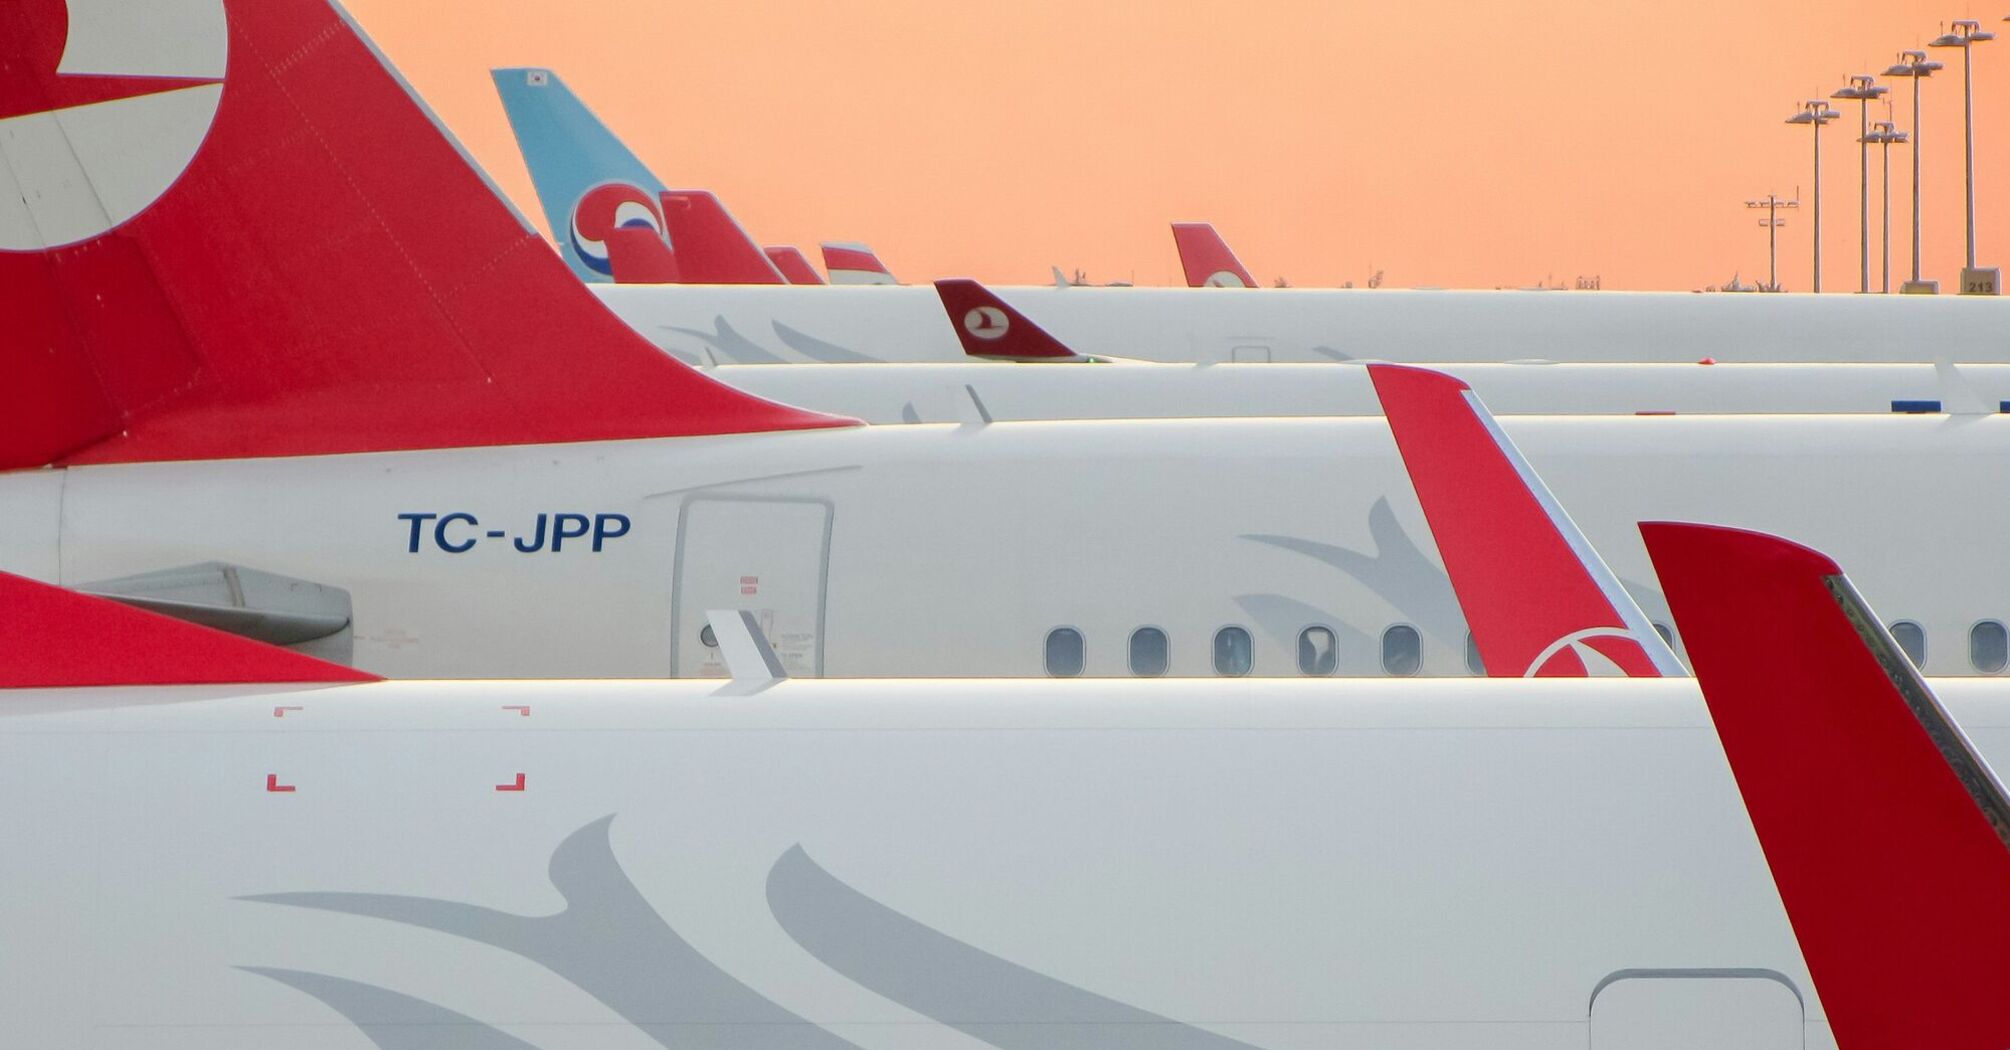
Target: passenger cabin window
[
  {"x": 1912, "y": 638},
  {"x": 1148, "y": 652},
  {"x": 1066, "y": 654},
  {"x": 1402, "y": 651},
  {"x": 1232, "y": 656},
  {"x": 1318, "y": 653},
  {"x": 1473, "y": 662},
  {"x": 1988, "y": 647}
]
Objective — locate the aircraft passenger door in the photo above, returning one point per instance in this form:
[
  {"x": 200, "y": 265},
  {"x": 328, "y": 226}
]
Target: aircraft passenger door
[
  {"x": 1696, "y": 1010},
  {"x": 767, "y": 556}
]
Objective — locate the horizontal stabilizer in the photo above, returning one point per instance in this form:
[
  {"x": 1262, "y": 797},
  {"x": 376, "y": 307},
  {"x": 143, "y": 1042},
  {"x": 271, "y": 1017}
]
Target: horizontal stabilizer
[
  {"x": 53, "y": 638},
  {"x": 1207, "y": 259},
  {"x": 991, "y": 329},
  {"x": 262, "y": 606},
  {"x": 1887, "y": 835}
]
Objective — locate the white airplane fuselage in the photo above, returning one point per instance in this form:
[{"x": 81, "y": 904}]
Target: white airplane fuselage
[
  {"x": 941, "y": 393},
  {"x": 754, "y": 325},
  {"x": 1201, "y": 864},
  {"x": 960, "y": 550}
]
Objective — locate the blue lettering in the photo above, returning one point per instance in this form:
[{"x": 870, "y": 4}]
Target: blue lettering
[
  {"x": 560, "y": 533},
  {"x": 539, "y": 545},
  {"x": 440, "y": 533},
  {"x": 416, "y": 520},
  {"x": 602, "y": 530}
]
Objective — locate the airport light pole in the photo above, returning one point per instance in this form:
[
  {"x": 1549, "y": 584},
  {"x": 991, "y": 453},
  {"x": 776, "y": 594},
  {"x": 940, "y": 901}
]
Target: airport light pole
[
  {"x": 1885, "y": 135},
  {"x": 1816, "y": 112},
  {"x": 1965, "y": 34},
  {"x": 1915, "y": 66},
  {"x": 1772, "y": 222},
  {"x": 1861, "y": 89}
]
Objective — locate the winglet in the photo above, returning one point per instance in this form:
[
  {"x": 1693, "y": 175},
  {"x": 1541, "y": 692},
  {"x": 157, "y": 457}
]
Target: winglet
[
  {"x": 1538, "y": 599},
  {"x": 992, "y": 330},
  {"x": 850, "y": 262},
  {"x": 55, "y": 638},
  {"x": 750, "y": 660},
  {"x": 789, "y": 260},
  {"x": 1207, "y": 259},
  {"x": 1888, "y": 837},
  {"x": 712, "y": 246}
]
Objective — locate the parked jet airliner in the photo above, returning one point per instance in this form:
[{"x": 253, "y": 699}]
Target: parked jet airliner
[
  {"x": 279, "y": 852},
  {"x": 405, "y": 435},
  {"x": 569, "y": 152}
]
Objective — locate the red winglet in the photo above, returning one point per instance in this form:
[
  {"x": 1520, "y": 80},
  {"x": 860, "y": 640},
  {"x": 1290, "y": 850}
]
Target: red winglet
[
  {"x": 51, "y": 637},
  {"x": 1538, "y": 599},
  {"x": 991, "y": 329},
  {"x": 1207, "y": 259},
  {"x": 1887, "y": 836},
  {"x": 639, "y": 255},
  {"x": 790, "y": 261},
  {"x": 712, "y": 246},
  {"x": 278, "y": 251}
]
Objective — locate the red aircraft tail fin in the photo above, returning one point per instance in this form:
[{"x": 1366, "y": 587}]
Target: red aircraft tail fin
[
  {"x": 227, "y": 228},
  {"x": 990, "y": 328},
  {"x": 1207, "y": 259},
  {"x": 639, "y": 255},
  {"x": 1889, "y": 838},
  {"x": 1537, "y": 597},
  {"x": 53, "y": 638},
  {"x": 789, "y": 260},
  {"x": 712, "y": 247}
]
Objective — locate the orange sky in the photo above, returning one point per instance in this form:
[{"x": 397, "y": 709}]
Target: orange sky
[{"x": 1464, "y": 143}]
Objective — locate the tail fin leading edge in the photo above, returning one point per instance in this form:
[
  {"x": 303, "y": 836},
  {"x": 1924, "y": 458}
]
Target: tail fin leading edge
[
  {"x": 790, "y": 261},
  {"x": 1538, "y": 599},
  {"x": 1888, "y": 837}
]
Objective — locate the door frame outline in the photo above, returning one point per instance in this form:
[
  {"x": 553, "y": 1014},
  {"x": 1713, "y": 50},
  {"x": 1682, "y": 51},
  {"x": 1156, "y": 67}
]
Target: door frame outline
[{"x": 683, "y": 541}]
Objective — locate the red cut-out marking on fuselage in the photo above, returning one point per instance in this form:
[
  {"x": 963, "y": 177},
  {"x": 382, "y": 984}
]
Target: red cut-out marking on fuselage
[
  {"x": 522, "y": 709},
  {"x": 280, "y": 712},
  {"x": 516, "y": 785},
  {"x": 273, "y": 785},
  {"x": 36, "y": 87}
]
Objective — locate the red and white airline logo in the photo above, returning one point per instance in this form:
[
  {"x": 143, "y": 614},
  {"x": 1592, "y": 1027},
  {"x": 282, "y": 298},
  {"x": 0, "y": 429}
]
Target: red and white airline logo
[
  {"x": 108, "y": 108},
  {"x": 987, "y": 322},
  {"x": 1555, "y": 659}
]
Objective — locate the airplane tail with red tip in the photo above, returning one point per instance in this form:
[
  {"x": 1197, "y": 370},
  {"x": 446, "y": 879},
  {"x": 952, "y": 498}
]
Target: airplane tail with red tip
[
  {"x": 1887, "y": 835},
  {"x": 55, "y": 638},
  {"x": 1207, "y": 259},
  {"x": 1539, "y": 600},
  {"x": 793, "y": 266},
  {"x": 228, "y": 229},
  {"x": 712, "y": 246},
  {"x": 990, "y": 329},
  {"x": 850, "y": 262}
]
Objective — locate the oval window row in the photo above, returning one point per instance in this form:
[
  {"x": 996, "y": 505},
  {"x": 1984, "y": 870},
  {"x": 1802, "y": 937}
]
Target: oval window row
[{"x": 1403, "y": 650}]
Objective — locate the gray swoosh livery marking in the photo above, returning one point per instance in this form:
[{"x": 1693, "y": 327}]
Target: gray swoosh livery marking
[
  {"x": 817, "y": 350},
  {"x": 611, "y": 944},
  {"x": 970, "y": 990},
  {"x": 1283, "y": 617},
  {"x": 394, "y": 1021},
  {"x": 1398, "y": 571},
  {"x": 731, "y": 343}
]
